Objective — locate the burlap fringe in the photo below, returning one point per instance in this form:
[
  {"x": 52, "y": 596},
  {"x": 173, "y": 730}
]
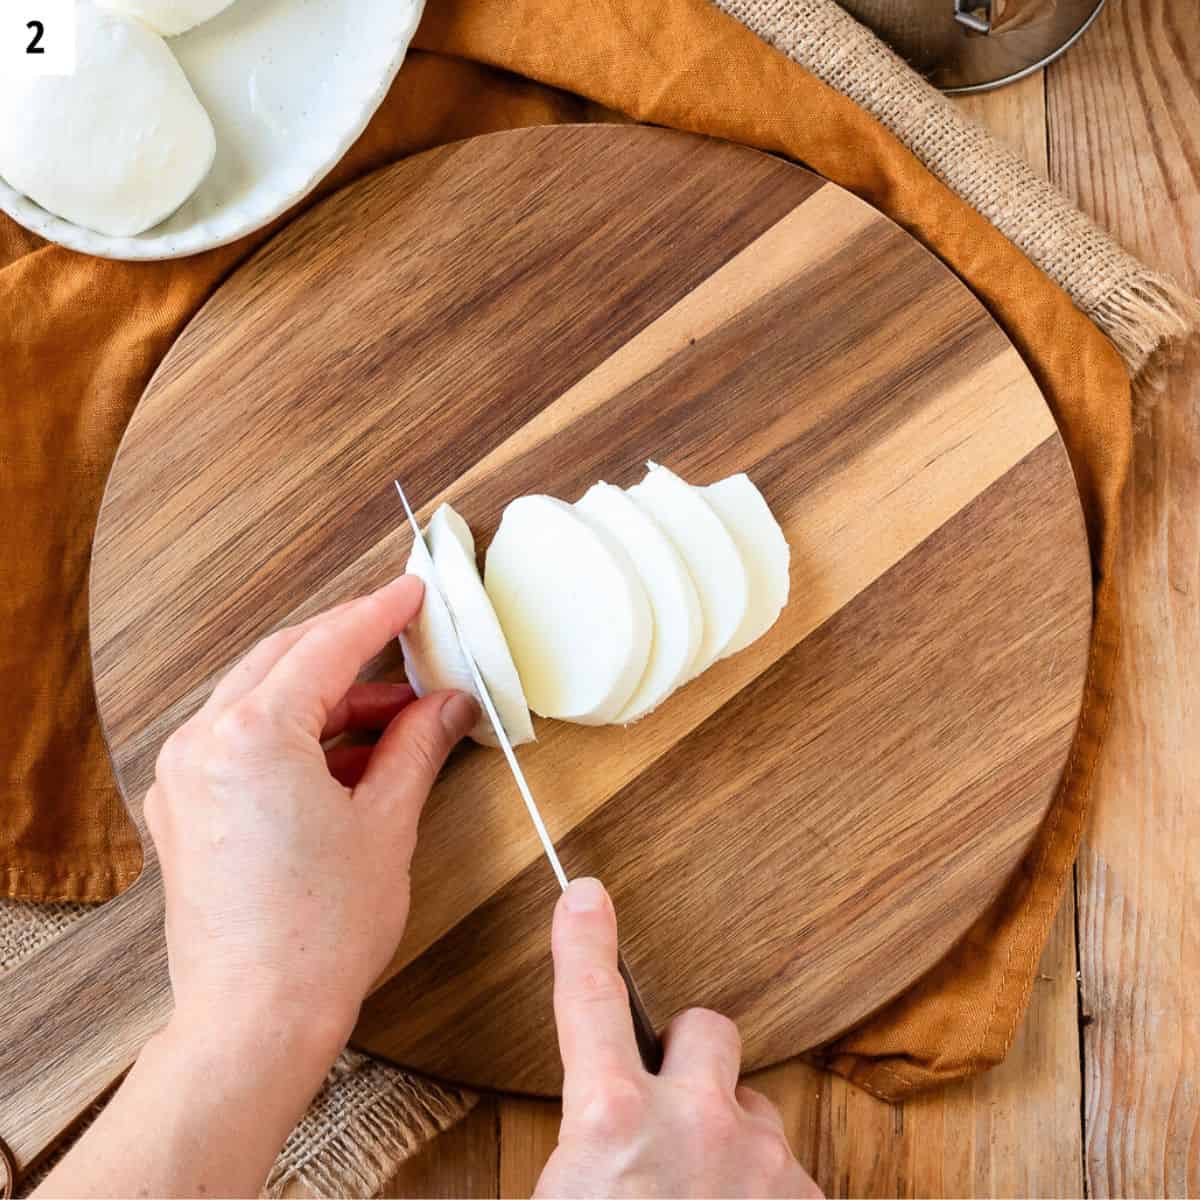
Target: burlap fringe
[
  {"x": 356, "y": 1134},
  {"x": 1148, "y": 319},
  {"x": 368, "y": 1119},
  {"x": 1142, "y": 311}
]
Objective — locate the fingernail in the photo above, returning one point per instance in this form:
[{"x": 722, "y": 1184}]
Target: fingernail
[
  {"x": 459, "y": 715},
  {"x": 585, "y": 895}
]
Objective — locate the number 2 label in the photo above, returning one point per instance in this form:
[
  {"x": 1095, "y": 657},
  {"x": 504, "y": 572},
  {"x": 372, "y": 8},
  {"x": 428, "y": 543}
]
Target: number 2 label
[{"x": 37, "y": 37}]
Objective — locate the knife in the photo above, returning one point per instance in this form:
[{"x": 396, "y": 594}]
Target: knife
[{"x": 648, "y": 1043}]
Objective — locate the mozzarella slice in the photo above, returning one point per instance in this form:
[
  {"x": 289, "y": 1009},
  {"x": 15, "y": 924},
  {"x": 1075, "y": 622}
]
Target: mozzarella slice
[
  {"x": 168, "y": 17},
  {"x": 453, "y": 550},
  {"x": 432, "y": 660},
  {"x": 708, "y": 551},
  {"x": 118, "y": 146},
  {"x": 764, "y": 550},
  {"x": 572, "y": 608},
  {"x": 674, "y": 604}
]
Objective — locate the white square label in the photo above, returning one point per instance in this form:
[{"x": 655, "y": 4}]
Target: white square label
[{"x": 37, "y": 37}]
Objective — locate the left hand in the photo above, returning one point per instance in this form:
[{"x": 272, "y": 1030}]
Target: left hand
[{"x": 286, "y": 864}]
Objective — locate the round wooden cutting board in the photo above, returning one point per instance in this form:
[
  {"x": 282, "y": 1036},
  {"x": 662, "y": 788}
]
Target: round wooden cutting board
[{"x": 803, "y": 831}]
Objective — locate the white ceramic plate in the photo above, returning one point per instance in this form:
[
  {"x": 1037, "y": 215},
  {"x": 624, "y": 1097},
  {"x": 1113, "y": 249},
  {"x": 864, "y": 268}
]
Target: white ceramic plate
[{"x": 289, "y": 84}]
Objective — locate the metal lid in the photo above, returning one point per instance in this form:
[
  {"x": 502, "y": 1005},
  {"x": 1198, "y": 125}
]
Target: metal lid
[{"x": 972, "y": 45}]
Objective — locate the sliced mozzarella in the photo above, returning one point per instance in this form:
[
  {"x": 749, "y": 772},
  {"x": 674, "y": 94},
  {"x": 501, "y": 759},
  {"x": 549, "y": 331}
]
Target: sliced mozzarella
[
  {"x": 117, "y": 146},
  {"x": 572, "y": 608},
  {"x": 674, "y": 604},
  {"x": 168, "y": 17},
  {"x": 764, "y": 551},
  {"x": 708, "y": 551},
  {"x": 453, "y": 550},
  {"x": 432, "y": 660}
]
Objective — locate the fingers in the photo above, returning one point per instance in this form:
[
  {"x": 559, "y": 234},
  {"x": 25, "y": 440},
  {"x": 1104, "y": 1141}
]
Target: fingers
[
  {"x": 367, "y": 706},
  {"x": 704, "y": 1047},
  {"x": 348, "y": 764},
  {"x": 757, "y": 1105},
  {"x": 591, "y": 1005},
  {"x": 313, "y": 675},
  {"x": 408, "y": 757},
  {"x": 260, "y": 658}
]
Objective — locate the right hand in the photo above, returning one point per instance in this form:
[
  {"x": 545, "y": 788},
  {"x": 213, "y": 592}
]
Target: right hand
[{"x": 690, "y": 1130}]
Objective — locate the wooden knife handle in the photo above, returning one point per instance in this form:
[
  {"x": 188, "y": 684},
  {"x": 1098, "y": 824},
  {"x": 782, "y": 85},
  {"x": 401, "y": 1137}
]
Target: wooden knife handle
[
  {"x": 649, "y": 1044},
  {"x": 76, "y": 1013}
]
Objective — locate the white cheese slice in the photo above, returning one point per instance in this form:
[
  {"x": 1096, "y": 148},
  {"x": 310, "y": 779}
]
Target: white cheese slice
[
  {"x": 764, "y": 551},
  {"x": 708, "y": 551},
  {"x": 118, "y": 146},
  {"x": 573, "y": 609},
  {"x": 453, "y": 550},
  {"x": 432, "y": 660},
  {"x": 674, "y": 604}
]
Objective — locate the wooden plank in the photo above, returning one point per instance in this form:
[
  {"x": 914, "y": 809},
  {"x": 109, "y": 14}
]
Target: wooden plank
[
  {"x": 1014, "y": 1131},
  {"x": 750, "y": 317},
  {"x": 462, "y": 1164},
  {"x": 1125, "y": 127},
  {"x": 875, "y": 401},
  {"x": 775, "y": 963},
  {"x": 528, "y": 1135}
]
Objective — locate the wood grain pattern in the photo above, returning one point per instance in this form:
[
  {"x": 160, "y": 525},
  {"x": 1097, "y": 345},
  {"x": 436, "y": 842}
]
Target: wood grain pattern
[
  {"x": 1014, "y": 1131},
  {"x": 77, "y": 1012},
  {"x": 462, "y": 1162},
  {"x": 510, "y": 315},
  {"x": 1017, "y": 1130},
  {"x": 1125, "y": 113},
  {"x": 753, "y": 318},
  {"x": 790, "y": 971},
  {"x": 528, "y": 1135}
]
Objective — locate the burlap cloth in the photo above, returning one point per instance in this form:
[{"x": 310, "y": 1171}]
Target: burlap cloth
[{"x": 80, "y": 337}]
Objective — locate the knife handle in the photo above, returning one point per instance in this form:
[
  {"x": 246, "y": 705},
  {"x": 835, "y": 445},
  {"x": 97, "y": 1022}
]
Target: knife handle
[{"x": 648, "y": 1042}]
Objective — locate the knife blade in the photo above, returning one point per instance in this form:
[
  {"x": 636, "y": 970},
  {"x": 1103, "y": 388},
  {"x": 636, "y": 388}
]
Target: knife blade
[{"x": 648, "y": 1042}]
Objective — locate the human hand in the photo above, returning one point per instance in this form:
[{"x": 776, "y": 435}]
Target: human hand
[
  {"x": 688, "y": 1131},
  {"x": 286, "y": 864}
]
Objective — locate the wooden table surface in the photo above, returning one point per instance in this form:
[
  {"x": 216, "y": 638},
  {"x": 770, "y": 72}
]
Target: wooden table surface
[{"x": 1100, "y": 1094}]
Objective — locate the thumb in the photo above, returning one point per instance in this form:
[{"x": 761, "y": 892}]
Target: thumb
[
  {"x": 591, "y": 1004},
  {"x": 409, "y": 755}
]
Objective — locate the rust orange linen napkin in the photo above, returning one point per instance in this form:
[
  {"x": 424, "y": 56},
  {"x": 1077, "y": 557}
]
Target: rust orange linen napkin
[{"x": 80, "y": 337}]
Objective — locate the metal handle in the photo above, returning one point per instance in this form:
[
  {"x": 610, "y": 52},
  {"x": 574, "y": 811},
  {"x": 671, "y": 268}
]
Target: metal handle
[{"x": 967, "y": 12}]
